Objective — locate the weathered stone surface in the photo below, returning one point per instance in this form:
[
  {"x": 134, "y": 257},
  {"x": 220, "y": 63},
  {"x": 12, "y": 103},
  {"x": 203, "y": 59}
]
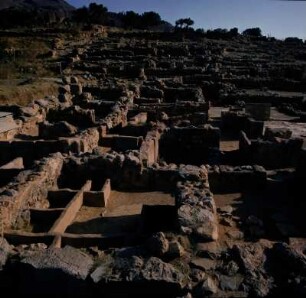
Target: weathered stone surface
[
  {"x": 68, "y": 260},
  {"x": 211, "y": 250},
  {"x": 230, "y": 283},
  {"x": 4, "y": 252},
  {"x": 255, "y": 226},
  {"x": 235, "y": 234},
  {"x": 30, "y": 189},
  {"x": 226, "y": 209},
  {"x": 198, "y": 221},
  {"x": 271, "y": 133},
  {"x": 139, "y": 275},
  {"x": 158, "y": 244},
  {"x": 197, "y": 275},
  {"x": 291, "y": 258},
  {"x": 156, "y": 270},
  {"x": 230, "y": 268},
  {"x": 207, "y": 287},
  {"x": 176, "y": 250},
  {"x": 253, "y": 261},
  {"x": 59, "y": 272},
  {"x": 203, "y": 264},
  {"x": 59, "y": 129}
]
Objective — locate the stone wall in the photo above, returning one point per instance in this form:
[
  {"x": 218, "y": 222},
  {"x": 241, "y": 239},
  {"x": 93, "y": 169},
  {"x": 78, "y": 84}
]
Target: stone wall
[
  {"x": 189, "y": 145},
  {"x": 277, "y": 153},
  {"x": 29, "y": 190},
  {"x": 34, "y": 150},
  {"x": 150, "y": 148},
  {"x": 227, "y": 179},
  {"x": 258, "y": 111}
]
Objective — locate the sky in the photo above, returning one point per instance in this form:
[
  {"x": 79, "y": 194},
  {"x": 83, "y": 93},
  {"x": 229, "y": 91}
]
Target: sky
[{"x": 276, "y": 18}]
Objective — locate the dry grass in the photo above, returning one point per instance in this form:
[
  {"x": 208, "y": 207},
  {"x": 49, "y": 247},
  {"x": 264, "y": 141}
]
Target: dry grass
[
  {"x": 22, "y": 58},
  {"x": 12, "y": 93}
]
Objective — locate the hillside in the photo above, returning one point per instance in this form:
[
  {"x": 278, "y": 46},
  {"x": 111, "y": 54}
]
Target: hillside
[{"x": 36, "y": 4}]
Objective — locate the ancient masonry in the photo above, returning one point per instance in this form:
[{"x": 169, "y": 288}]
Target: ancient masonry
[{"x": 165, "y": 166}]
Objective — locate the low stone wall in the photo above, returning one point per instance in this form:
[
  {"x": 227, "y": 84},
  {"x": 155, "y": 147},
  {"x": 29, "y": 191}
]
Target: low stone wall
[
  {"x": 189, "y": 145},
  {"x": 29, "y": 189},
  {"x": 139, "y": 119},
  {"x": 229, "y": 179},
  {"x": 279, "y": 153},
  {"x": 74, "y": 115},
  {"x": 98, "y": 198},
  {"x": 124, "y": 143},
  {"x": 118, "y": 117},
  {"x": 112, "y": 94},
  {"x": 34, "y": 150},
  {"x": 259, "y": 111},
  {"x": 197, "y": 210},
  {"x": 70, "y": 212},
  {"x": 7, "y": 175},
  {"x": 233, "y": 120},
  {"x": 183, "y": 94},
  {"x": 149, "y": 149}
]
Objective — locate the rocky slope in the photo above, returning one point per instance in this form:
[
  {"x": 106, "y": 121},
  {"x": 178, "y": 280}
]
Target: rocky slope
[{"x": 36, "y": 4}]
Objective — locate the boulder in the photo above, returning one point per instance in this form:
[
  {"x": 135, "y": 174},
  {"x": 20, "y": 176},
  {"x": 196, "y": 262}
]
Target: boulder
[
  {"x": 231, "y": 268},
  {"x": 273, "y": 132},
  {"x": 207, "y": 287},
  {"x": 176, "y": 250},
  {"x": 158, "y": 244},
  {"x": 203, "y": 264},
  {"x": 255, "y": 227},
  {"x": 230, "y": 283},
  {"x": 64, "y": 89},
  {"x": 59, "y": 129},
  {"x": 68, "y": 260},
  {"x": 212, "y": 250},
  {"x": 56, "y": 271},
  {"x": 156, "y": 270},
  {"x": 136, "y": 276},
  {"x": 198, "y": 221},
  {"x": 4, "y": 252},
  {"x": 292, "y": 259},
  {"x": 253, "y": 260}
]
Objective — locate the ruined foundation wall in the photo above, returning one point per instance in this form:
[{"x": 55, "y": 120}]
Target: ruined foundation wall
[
  {"x": 235, "y": 179},
  {"x": 189, "y": 145},
  {"x": 29, "y": 189}
]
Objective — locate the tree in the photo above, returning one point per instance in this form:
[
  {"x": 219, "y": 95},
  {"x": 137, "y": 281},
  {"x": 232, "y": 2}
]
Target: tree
[
  {"x": 97, "y": 13},
  {"x": 293, "y": 40},
  {"x": 131, "y": 19},
  {"x": 150, "y": 18},
  {"x": 256, "y": 32},
  {"x": 94, "y": 14},
  {"x": 184, "y": 23},
  {"x": 81, "y": 15},
  {"x": 189, "y": 22},
  {"x": 234, "y": 31}
]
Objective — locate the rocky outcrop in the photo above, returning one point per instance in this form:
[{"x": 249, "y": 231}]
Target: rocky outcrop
[
  {"x": 197, "y": 210},
  {"x": 4, "y": 252},
  {"x": 55, "y": 271},
  {"x": 47, "y": 4},
  {"x": 158, "y": 244},
  {"x": 253, "y": 260},
  {"x": 139, "y": 276}
]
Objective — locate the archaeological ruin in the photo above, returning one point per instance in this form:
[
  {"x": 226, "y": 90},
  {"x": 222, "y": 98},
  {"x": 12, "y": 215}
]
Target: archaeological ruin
[{"x": 165, "y": 165}]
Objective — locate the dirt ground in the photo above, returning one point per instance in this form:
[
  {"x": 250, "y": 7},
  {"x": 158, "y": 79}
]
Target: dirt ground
[{"x": 122, "y": 215}]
